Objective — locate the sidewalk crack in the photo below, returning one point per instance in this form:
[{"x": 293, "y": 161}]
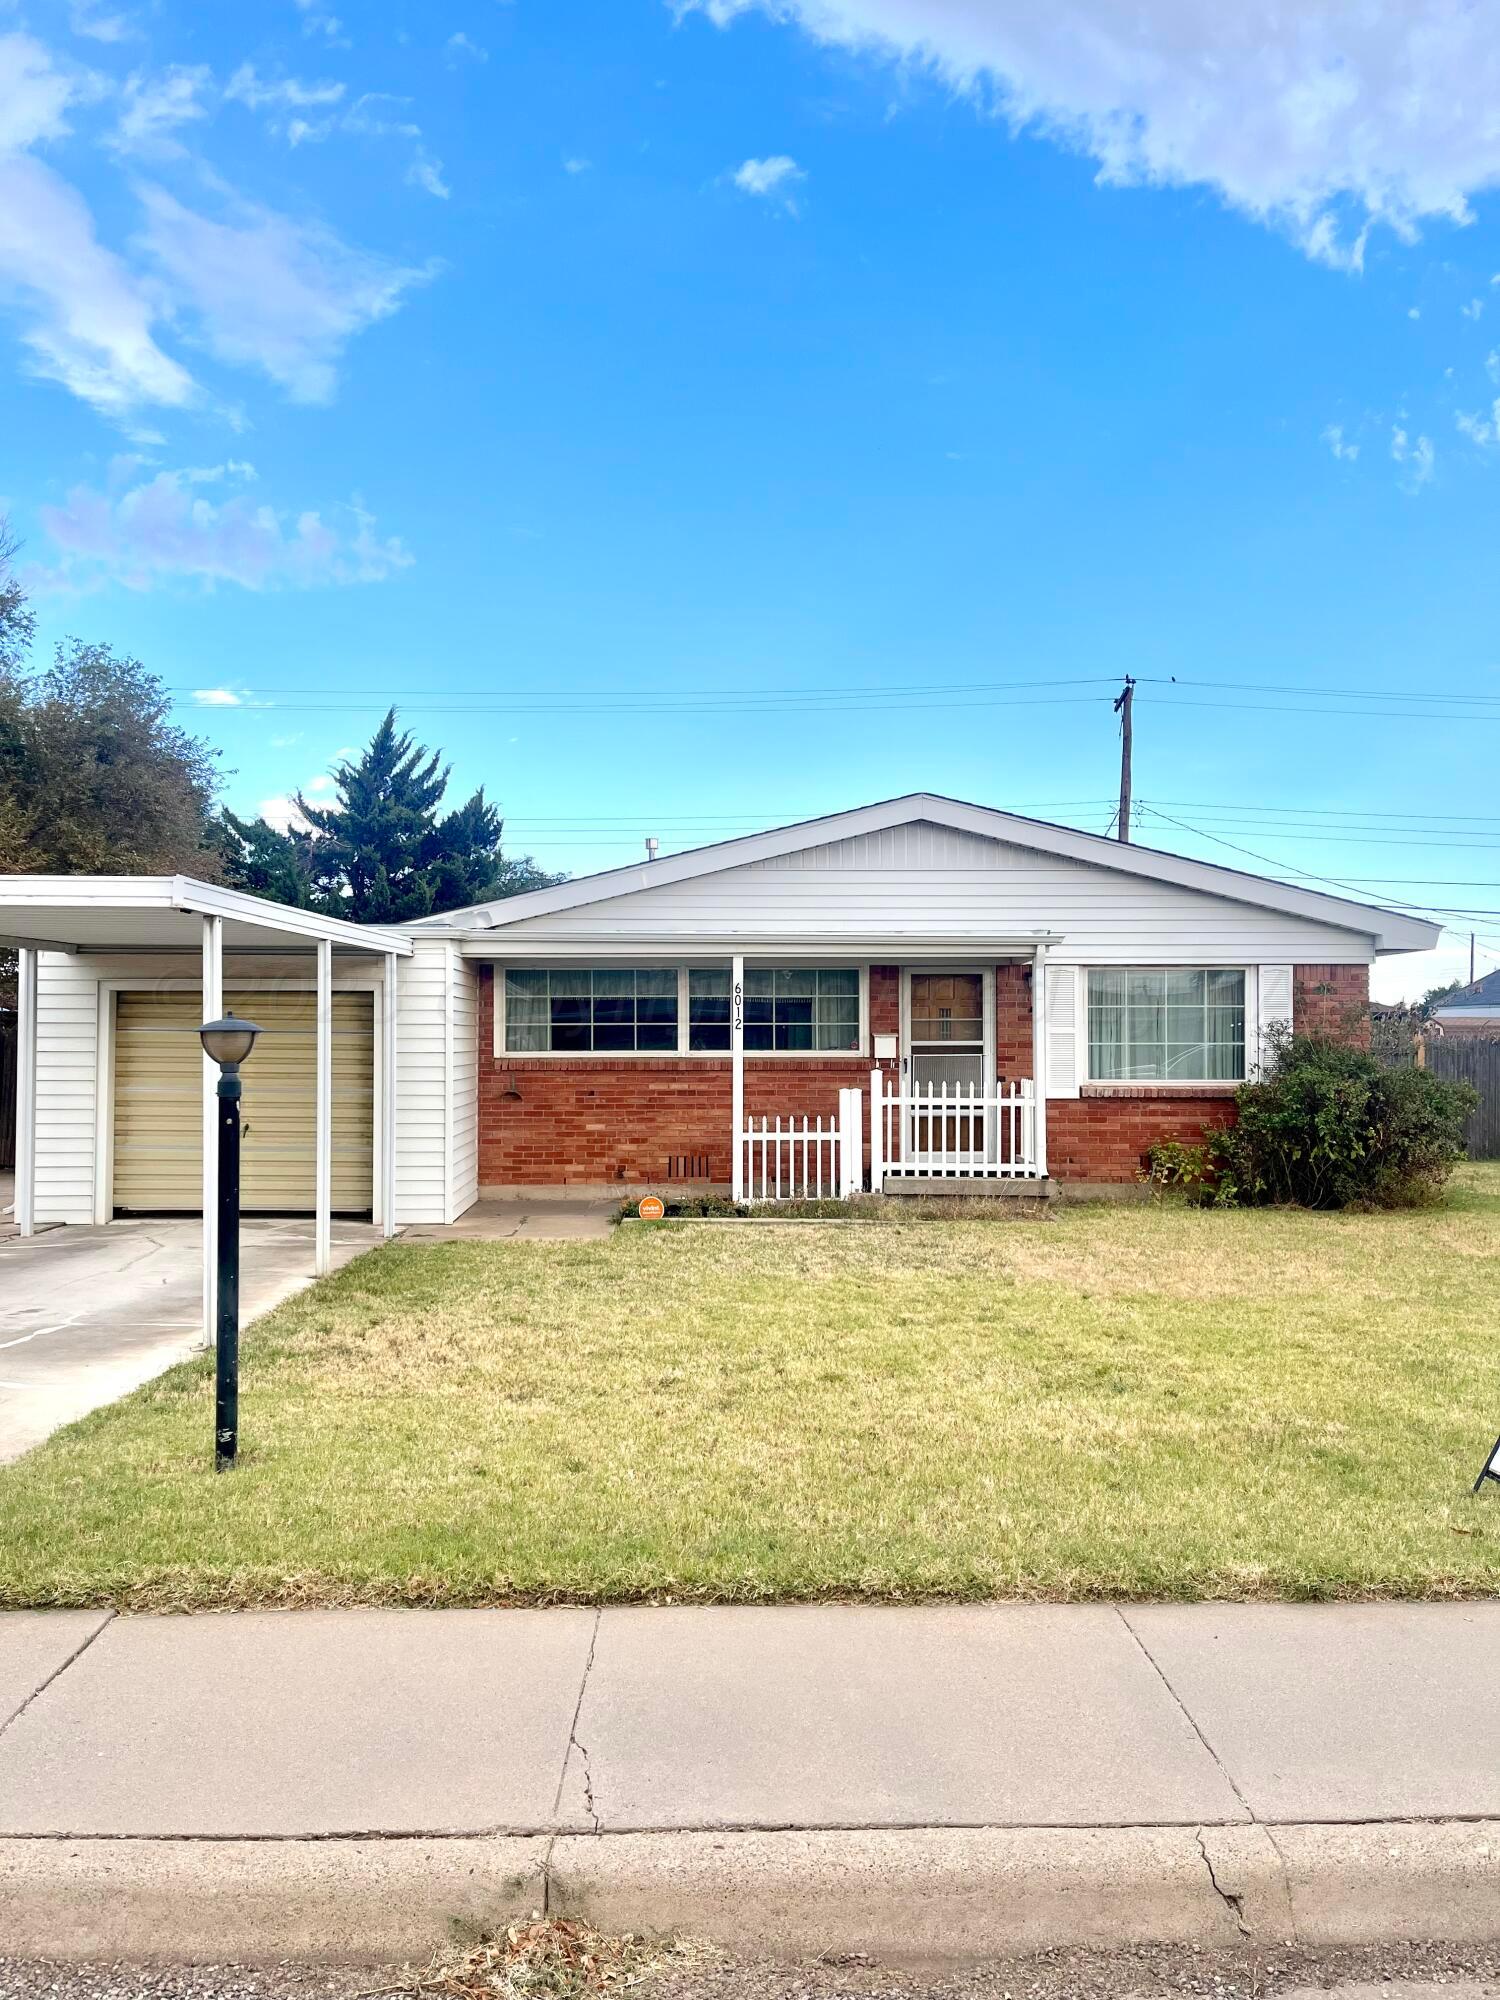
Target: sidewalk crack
[
  {"x": 76, "y": 1654},
  {"x": 1188, "y": 1717},
  {"x": 1235, "y": 1904},
  {"x": 575, "y": 1744}
]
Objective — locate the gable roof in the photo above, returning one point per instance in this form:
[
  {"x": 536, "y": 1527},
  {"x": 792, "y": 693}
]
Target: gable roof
[
  {"x": 1483, "y": 997},
  {"x": 1390, "y": 930}
]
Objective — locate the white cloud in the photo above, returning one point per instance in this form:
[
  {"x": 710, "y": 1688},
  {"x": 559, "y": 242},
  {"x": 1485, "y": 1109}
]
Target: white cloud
[
  {"x": 1473, "y": 309},
  {"x": 1321, "y": 118},
  {"x": 281, "y": 812},
  {"x": 1416, "y": 457},
  {"x": 34, "y": 94},
  {"x": 576, "y": 165},
  {"x": 1479, "y": 429},
  {"x": 427, "y": 174},
  {"x": 217, "y": 698},
  {"x": 374, "y": 116},
  {"x": 769, "y": 176},
  {"x": 461, "y": 45},
  {"x": 270, "y": 293},
  {"x": 1413, "y": 312},
  {"x": 1333, "y": 437},
  {"x": 100, "y": 27},
  {"x": 316, "y": 20},
  {"x": 87, "y": 322},
  {"x": 152, "y": 107},
  {"x": 165, "y": 530},
  {"x": 284, "y": 93}
]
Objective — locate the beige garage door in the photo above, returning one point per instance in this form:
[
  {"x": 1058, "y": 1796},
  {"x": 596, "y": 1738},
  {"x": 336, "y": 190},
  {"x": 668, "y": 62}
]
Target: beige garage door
[{"x": 159, "y": 1102}]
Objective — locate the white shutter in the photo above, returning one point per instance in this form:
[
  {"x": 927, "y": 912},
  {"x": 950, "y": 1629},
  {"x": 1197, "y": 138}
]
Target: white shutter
[
  {"x": 1064, "y": 1064},
  {"x": 1275, "y": 1007}
]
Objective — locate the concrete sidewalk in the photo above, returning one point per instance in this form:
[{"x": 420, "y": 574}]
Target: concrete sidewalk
[{"x": 936, "y": 1781}]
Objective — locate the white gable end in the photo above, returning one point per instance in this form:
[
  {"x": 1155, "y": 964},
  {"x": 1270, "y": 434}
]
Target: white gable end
[{"x": 922, "y": 881}]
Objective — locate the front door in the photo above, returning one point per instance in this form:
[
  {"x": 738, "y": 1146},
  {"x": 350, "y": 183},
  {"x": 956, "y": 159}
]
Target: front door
[{"x": 945, "y": 1058}]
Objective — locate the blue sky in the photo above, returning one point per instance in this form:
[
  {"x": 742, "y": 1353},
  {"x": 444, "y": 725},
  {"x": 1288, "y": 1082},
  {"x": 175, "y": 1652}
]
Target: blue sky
[{"x": 699, "y": 417}]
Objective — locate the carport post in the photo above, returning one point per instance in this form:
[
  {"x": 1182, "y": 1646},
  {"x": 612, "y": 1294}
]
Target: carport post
[
  {"x": 388, "y": 1097},
  {"x": 1039, "y": 1058},
  {"x": 323, "y": 1250},
  {"x": 737, "y": 1068},
  {"x": 213, "y": 1007},
  {"x": 26, "y": 1091}
]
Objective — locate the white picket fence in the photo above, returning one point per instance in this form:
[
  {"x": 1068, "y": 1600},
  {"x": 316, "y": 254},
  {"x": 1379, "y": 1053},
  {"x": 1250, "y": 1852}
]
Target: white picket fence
[
  {"x": 804, "y": 1159},
  {"x": 946, "y": 1133}
]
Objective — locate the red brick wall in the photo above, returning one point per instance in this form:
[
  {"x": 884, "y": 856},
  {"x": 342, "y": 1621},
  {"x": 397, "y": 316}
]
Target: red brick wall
[
  {"x": 1332, "y": 1000},
  {"x": 1103, "y": 1135},
  {"x": 596, "y": 1118},
  {"x": 601, "y": 1118}
]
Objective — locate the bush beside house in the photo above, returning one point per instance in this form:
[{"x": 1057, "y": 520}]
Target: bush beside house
[{"x": 1326, "y": 1126}]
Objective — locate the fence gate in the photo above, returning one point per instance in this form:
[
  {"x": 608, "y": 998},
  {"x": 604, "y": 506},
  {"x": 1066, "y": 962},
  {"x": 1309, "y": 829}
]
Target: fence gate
[
  {"x": 1476, "y": 1060},
  {"x": 9, "y": 1038},
  {"x": 944, "y": 1132}
]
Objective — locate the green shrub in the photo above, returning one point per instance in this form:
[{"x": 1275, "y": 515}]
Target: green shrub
[
  {"x": 1192, "y": 1170},
  {"x": 1327, "y": 1127}
]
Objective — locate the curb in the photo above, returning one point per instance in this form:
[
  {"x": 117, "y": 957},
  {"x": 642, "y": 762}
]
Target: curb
[{"x": 931, "y": 1895}]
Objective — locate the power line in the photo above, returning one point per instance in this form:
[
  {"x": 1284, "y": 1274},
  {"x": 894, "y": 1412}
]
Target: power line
[{"x": 1283, "y": 687}]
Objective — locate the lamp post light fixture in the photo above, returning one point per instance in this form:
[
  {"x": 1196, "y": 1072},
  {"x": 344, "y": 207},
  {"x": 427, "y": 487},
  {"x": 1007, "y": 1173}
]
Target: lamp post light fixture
[{"x": 228, "y": 1043}]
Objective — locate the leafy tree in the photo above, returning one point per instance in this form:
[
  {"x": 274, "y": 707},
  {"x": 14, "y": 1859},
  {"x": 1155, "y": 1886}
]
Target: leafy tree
[
  {"x": 17, "y": 619},
  {"x": 95, "y": 778},
  {"x": 382, "y": 852}
]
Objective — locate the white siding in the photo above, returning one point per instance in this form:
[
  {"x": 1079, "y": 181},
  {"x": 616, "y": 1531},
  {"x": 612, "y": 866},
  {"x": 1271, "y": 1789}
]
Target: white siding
[
  {"x": 67, "y": 1068},
  {"x": 422, "y": 1083},
  {"x": 463, "y": 1087},
  {"x": 922, "y": 880}
]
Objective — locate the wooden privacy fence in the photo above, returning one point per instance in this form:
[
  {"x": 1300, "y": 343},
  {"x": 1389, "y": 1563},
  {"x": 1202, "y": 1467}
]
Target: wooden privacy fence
[
  {"x": 1468, "y": 1059},
  {"x": 7, "y": 1087}
]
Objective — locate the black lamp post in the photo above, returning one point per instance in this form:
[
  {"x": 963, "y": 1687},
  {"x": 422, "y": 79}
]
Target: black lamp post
[{"x": 227, "y": 1043}]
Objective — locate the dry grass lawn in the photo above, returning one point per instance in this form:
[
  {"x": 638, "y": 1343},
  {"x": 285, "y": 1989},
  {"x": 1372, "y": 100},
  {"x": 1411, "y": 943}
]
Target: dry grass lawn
[{"x": 1136, "y": 1402}]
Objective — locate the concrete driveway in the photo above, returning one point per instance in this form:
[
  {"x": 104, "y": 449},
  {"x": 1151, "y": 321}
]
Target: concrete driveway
[{"x": 88, "y": 1314}]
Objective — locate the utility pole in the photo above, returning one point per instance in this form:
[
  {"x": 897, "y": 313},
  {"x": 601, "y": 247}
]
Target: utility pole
[
  {"x": 1124, "y": 701},
  {"x": 1471, "y": 958}
]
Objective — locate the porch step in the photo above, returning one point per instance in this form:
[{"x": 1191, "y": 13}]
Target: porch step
[{"x": 981, "y": 1187}]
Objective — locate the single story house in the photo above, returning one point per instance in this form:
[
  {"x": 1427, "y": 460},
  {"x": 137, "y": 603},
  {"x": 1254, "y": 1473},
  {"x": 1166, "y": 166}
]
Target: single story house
[
  {"x": 919, "y": 989},
  {"x": 1472, "y": 1010}
]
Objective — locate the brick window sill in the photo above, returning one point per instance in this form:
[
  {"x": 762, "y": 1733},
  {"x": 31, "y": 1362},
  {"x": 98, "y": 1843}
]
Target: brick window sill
[{"x": 1158, "y": 1089}]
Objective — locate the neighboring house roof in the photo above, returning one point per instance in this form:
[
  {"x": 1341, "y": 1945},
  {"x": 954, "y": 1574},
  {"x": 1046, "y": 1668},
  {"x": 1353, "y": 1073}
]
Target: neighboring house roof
[
  {"x": 1481, "y": 1001},
  {"x": 1389, "y": 929}
]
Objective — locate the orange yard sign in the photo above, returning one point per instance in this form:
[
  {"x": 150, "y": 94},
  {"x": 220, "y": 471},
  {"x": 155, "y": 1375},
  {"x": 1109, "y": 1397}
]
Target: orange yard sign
[{"x": 652, "y": 1208}]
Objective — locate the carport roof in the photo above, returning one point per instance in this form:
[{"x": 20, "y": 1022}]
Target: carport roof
[{"x": 94, "y": 913}]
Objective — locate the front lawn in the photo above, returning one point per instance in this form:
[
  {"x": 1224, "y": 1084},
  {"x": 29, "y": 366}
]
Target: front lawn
[{"x": 1116, "y": 1402}]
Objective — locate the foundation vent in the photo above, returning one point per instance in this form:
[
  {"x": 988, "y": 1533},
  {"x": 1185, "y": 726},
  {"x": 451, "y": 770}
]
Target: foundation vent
[{"x": 688, "y": 1167}]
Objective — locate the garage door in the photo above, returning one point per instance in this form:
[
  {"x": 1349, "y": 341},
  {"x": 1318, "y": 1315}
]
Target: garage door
[{"x": 158, "y": 1153}]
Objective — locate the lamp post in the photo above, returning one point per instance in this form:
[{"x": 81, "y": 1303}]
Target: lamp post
[{"x": 228, "y": 1043}]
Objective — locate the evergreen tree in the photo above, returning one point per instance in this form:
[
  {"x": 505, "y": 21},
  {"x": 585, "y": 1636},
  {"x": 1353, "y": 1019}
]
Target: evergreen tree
[
  {"x": 381, "y": 853},
  {"x": 379, "y": 835}
]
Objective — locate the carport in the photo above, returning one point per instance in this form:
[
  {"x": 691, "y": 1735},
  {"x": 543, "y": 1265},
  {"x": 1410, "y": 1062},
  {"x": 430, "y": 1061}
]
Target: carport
[{"x": 142, "y": 920}]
